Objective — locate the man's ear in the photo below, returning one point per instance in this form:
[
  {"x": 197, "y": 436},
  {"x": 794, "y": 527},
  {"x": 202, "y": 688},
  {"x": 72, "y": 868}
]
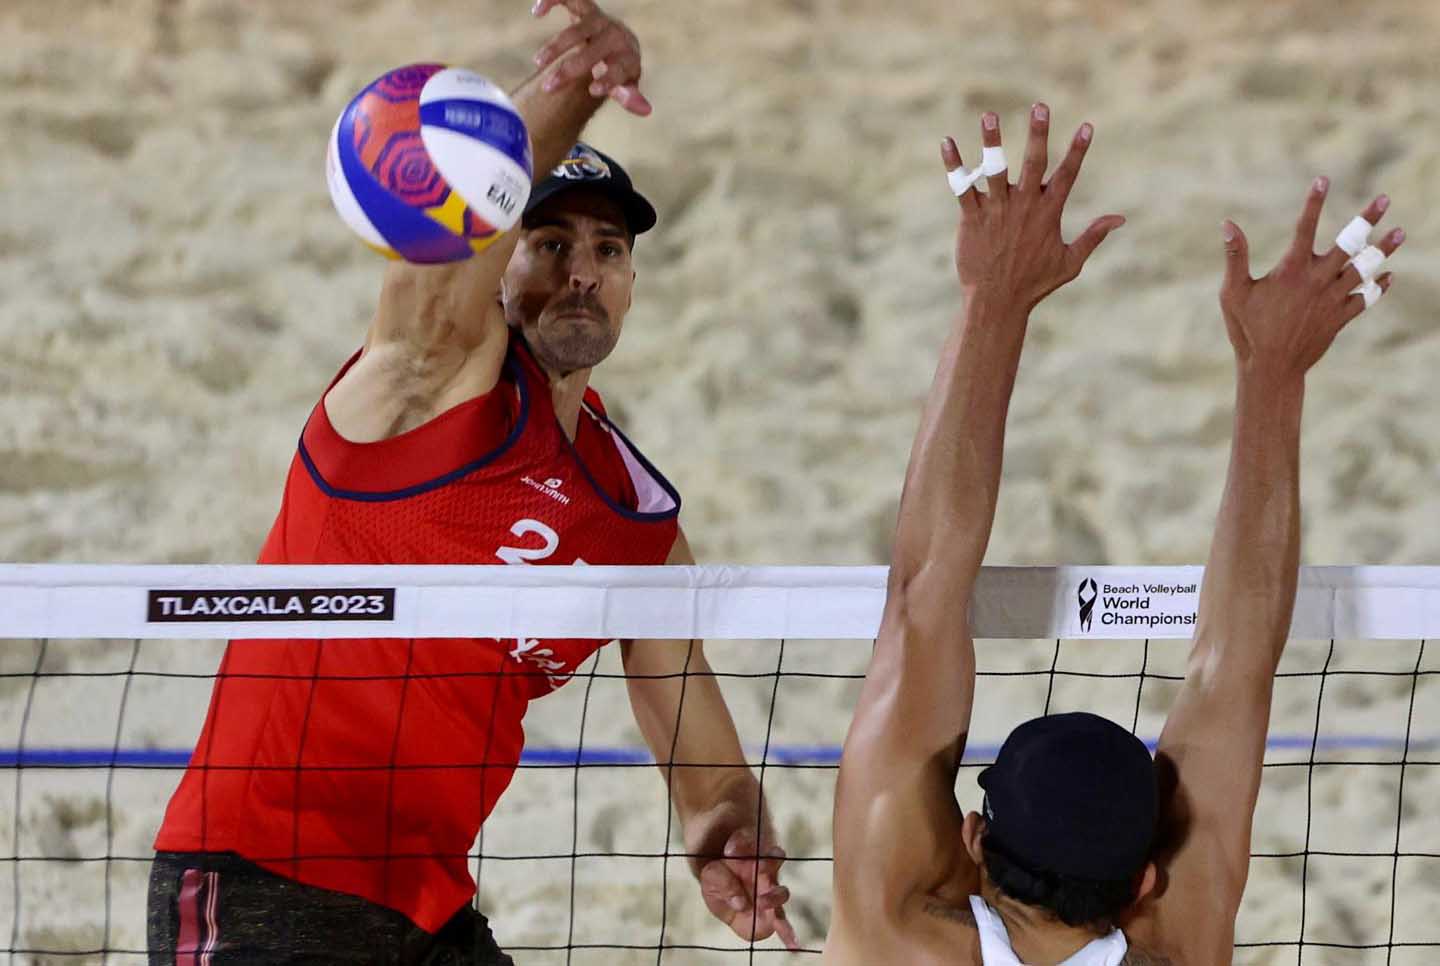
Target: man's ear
[
  {"x": 1149, "y": 878},
  {"x": 972, "y": 831}
]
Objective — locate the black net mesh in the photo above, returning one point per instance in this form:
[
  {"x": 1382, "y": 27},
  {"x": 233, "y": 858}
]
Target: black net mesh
[{"x": 583, "y": 861}]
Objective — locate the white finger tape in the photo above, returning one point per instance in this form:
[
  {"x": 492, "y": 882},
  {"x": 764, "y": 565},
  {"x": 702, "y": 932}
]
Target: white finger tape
[
  {"x": 1354, "y": 236},
  {"x": 1368, "y": 262},
  {"x": 992, "y": 161},
  {"x": 962, "y": 180},
  {"x": 1370, "y": 290}
]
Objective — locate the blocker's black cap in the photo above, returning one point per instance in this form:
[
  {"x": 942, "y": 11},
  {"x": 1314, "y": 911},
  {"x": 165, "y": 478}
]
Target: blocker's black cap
[
  {"x": 585, "y": 167},
  {"x": 1072, "y": 794}
]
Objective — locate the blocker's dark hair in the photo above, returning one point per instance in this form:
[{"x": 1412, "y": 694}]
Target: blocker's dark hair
[{"x": 1091, "y": 903}]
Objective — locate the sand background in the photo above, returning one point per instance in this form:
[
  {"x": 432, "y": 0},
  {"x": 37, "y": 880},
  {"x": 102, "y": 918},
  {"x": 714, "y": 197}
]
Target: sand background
[{"x": 177, "y": 292}]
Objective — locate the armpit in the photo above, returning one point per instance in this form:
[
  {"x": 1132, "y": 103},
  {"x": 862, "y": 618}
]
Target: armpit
[{"x": 941, "y": 910}]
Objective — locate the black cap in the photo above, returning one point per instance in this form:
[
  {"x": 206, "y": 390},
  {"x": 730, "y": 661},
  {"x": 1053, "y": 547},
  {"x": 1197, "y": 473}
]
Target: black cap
[
  {"x": 1072, "y": 794},
  {"x": 585, "y": 167}
]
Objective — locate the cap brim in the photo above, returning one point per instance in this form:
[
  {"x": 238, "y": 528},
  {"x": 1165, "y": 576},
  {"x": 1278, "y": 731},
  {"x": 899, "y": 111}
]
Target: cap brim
[{"x": 639, "y": 214}]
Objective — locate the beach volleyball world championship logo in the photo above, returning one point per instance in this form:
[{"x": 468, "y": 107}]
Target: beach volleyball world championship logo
[
  {"x": 1088, "y": 593},
  {"x": 1127, "y": 599}
]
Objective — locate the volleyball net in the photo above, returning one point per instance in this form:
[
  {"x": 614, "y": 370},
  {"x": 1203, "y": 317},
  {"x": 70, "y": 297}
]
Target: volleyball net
[{"x": 106, "y": 672}]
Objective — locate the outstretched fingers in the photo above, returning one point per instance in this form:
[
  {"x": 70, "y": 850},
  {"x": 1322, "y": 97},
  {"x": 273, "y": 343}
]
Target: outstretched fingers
[
  {"x": 1080, "y": 250},
  {"x": 1357, "y": 303},
  {"x": 1237, "y": 257},
  {"x": 1367, "y": 266},
  {"x": 1063, "y": 180},
  {"x": 969, "y": 199},
  {"x": 1037, "y": 159},
  {"x": 1304, "y": 243},
  {"x": 1336, "y": 257},
  {"x": 998, "y": 184}
]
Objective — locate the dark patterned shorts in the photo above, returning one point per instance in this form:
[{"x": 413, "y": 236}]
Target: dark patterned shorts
[{"x": 217, "y": 909}]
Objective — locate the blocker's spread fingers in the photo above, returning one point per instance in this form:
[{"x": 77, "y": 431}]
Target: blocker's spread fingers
[
  {"x": 992, "y": 161},
  {"x": 1037, "y": 150}
]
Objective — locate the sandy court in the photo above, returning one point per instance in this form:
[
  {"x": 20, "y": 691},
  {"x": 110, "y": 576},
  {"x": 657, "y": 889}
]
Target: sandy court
[{"x": 178, "y": 291}]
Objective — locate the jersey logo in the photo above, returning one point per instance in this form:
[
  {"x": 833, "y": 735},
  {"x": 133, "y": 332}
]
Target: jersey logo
[{"x": 550, "y": 487}]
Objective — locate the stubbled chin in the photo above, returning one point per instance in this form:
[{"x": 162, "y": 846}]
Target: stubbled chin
[{"x": 572, "y": 342}]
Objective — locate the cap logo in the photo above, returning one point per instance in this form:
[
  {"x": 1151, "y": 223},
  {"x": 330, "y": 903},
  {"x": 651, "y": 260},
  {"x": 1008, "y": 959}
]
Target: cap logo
[{"x": 583, "y": 164}]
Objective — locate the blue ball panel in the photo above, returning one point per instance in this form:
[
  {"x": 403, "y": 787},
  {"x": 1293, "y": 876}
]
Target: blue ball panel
[
  {"x": 491, "y": 123},
  {"x": 412, "y": 234}
]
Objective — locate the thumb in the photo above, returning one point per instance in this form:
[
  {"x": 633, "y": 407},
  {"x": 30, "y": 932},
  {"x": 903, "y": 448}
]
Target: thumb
[
  {"x": 1237, "y": 255},
  {"x": 1083, "y": 247},
  {"x": 629, "y": 97}
]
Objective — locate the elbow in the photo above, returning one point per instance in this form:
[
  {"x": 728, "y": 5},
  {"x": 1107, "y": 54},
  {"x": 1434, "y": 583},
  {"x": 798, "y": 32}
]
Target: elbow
[{"x": 919, "y": 594}]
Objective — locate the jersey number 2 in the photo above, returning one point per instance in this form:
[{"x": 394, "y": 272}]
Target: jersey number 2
[{"x": 523, "y": 555}]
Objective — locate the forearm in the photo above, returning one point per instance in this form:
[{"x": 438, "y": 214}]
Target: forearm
[
  {"x": 555, "y": 119},
  {"x": 952, "y": 482},
  {"x": 690, "y": 733},
  {"x": 1250, "y": 579},
  {"x": 921, "y": 682}
]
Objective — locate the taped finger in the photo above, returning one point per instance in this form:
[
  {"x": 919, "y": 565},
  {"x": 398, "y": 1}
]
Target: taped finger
[
  {"x": 1354, "y": 237},
  {"x": 1370, "y": 291},
  {"x": 962, "y": 180},
  {"x": 1368, "y": 262},
  {"x": 992, "y": 161}
]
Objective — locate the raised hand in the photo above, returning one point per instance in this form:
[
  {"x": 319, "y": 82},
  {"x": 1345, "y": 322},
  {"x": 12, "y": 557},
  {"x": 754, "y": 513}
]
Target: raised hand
[
  {"x": 598, "y": 45},
  {"x": 1283, "y": 323},
  {"x": 743, "y": 890},
  {"x": 1008, "y": 245}
]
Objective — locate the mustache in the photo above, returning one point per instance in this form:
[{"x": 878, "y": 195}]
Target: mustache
[{"x": 580, "y": 302}]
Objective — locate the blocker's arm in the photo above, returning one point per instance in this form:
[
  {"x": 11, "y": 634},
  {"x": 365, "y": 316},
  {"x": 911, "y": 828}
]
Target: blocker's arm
[
  {"x": 896, "y": 818},
  {"x": 1213, "y": 744}
]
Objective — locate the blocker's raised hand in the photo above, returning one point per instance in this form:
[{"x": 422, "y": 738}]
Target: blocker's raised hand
[
  {"x": 1283, "y": 323},
  {"x": 1009, "y": 244},
  {"x": 598, "y": 45}
]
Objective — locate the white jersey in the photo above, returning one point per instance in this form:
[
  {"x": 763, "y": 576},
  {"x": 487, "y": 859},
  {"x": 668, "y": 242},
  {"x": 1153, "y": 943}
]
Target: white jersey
[{"x": 995, "y": 947}]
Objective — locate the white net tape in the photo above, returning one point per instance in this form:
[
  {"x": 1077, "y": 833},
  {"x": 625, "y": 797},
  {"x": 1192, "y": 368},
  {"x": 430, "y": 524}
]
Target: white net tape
[
  {"x": 581, "y": 862},
  {"x": 835, "y": 603}
]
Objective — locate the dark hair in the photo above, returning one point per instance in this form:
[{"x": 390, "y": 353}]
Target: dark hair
[{"x": 1092, "y": 903}]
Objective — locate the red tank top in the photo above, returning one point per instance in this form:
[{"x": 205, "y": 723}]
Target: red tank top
[{"x": 367, "y": 766}]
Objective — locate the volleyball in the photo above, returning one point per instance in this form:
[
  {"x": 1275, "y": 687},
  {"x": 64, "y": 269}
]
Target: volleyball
[{"x": 429, "y": 164}]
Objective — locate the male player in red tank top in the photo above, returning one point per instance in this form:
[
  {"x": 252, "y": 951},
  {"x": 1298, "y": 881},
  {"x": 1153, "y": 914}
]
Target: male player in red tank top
[{"x": 337, "y": 786}]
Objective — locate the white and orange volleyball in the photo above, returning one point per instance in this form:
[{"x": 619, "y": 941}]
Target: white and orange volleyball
[{"x": 429, "y": 164}]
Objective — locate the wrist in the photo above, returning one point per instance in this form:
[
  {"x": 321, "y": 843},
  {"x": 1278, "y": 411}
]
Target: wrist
[
  {"x": 734, "y": 806},
  {"x": 993, "y": 309},
  {"x": 993, "y": 327},
  {"x": 1277, "y": 389},
  {"x": 1268, "y": 406}
]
